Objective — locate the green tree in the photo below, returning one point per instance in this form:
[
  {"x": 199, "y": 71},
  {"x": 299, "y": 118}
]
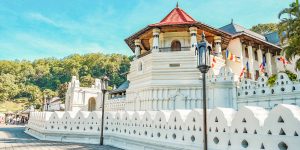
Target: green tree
[
  {"x": 8, "y": 87},
  {"x": 49, "y": 93},
  {"x": 87, "y": 81},
  {"x": 289, "y": 29},
  {"x": 62, "y": 89},
  {"x": 30, "y": 81},
  {"x": 265, "y": 28}
]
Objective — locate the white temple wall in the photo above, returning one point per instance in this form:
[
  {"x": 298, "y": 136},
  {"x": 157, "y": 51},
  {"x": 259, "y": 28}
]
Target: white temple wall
[
  {"x": 77, "y": 98},
  {"x": 168, "y": 80},
  {"x": 249, "y": 128},
  {"x": 236, "y": 48},
  {"x": 221, "y": 92},
  {"x": 167, "y": 38}
]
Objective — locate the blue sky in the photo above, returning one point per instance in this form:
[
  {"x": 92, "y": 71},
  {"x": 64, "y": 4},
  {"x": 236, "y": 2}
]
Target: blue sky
[{"x": 31, "y": 29}]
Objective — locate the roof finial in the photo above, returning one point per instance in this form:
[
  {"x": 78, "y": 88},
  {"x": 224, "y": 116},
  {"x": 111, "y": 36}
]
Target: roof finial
[
  {"x": 177, "y": 5},
  {"x": 231, "y": 20}
]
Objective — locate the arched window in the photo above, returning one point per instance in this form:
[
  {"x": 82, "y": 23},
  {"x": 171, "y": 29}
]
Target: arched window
[
  {"x": 175, "y": 46},
  {"x": 92, "y": 104}
]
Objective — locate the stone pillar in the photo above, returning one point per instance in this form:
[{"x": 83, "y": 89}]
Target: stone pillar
[
  {"x": 218, "y": 46},
  {"x": 155, "y": 47},
  {"x": 250, "y": 61},
  {"x": 193, "y": 32},
  {"x": 137, "y": 50},
  {"x": 269, "y": 63},
  {"x": 259, "y": 58}
]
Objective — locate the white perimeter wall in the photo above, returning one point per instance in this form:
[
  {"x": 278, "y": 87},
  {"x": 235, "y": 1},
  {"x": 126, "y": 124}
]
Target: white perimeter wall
[{"x": 250, "y": 128}]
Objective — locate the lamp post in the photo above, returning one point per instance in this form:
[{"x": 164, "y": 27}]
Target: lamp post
[
  {"x": 104, "y": 85},
  {"x": 48, "y": 102},
  {"x": 203, "y": 49}
]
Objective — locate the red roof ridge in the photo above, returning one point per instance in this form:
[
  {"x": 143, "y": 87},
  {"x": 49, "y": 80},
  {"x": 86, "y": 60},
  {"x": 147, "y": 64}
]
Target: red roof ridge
[{"x": 176, "y": 16}]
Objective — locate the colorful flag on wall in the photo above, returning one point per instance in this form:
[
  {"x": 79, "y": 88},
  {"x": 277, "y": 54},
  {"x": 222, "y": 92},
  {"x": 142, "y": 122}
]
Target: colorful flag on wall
[
  {"x": 232, "y": 57},
  {"x": 247, "y": 66},
  {"x": 214, "y": 61},
  {"x": 245, "y": 69},
  {"x": 282, "y": 59},
  {"x": 262, "y": 66}
]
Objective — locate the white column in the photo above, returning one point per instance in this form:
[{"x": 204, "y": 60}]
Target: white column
[
  {"x": 193, "y": 32},
  {"x": 269, "y": 63},
  {"x": 155, "y": 47},
  {"x": 137, "y": 50},
  {"x": 250, "y": 61},
  {"x": 260, "y": 57},
  {"x": 218, "y": 47},
  {"x": 242, "y": 59}
]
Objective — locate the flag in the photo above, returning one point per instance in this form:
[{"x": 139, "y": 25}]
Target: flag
[
  {"x": 247, "y": 66},
  {"x": 282, "y": 59},
  {"x": 213, "y": 62},
  {"x": 227, "y": 54},
  {"x": 238, "y": 59},
  {"x": 243, "y": 71},
  {"x": 232, "y": 57},
  {"x": 262, "y": 66}
]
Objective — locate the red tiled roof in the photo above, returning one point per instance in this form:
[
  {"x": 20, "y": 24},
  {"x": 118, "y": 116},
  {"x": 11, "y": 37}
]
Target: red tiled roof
[{"x": 176, "y": 16}]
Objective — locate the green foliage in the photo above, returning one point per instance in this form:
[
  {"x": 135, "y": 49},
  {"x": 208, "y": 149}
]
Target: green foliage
[
  {"x": 264, "y": 28},
  {"x": 87, "y": 81},
  {"x": 289, "y": 29},
  {"x": 291, "y": 75},
  {"x": 61, "y": 91},
  {"x": 8, "y": 87},
  {"x": 272, "y": 79},
  {"x": 49, "y": 93},
  {"x": 32, "y": 81}
]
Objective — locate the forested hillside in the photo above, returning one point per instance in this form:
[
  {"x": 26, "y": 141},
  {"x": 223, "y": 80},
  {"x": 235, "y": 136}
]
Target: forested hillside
[{"x": 29, "y": 81}]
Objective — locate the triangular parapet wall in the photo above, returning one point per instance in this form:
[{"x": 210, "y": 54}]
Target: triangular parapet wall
[
  {"x": 261, "y": 93},
  {"x": 176, "y": 129}
]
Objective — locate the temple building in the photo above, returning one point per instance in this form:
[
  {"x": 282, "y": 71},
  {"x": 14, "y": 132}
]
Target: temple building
[
  {"x": 164, "y": 76},
  {"x": 159, "y": 107}
]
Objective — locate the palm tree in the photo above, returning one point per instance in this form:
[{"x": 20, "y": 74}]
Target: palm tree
[{"x": 289, "y": 29}]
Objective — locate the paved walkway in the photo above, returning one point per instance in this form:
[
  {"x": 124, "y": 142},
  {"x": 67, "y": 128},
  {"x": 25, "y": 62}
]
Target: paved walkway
[{"x": 13, "y": 138}]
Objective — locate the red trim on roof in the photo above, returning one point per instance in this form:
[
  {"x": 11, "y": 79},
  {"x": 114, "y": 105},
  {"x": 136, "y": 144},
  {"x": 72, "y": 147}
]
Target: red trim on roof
[{"x": 176, "y": 16}]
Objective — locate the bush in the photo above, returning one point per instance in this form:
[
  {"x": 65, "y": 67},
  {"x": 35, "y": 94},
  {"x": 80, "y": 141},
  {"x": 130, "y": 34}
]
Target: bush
[
  {"x": 272, "y": 79},
  {"x": 292, "y": 76}
]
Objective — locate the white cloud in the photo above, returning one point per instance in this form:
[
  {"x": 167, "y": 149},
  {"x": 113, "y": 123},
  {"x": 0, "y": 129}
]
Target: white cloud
[{"x": 42, "y": 18}]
